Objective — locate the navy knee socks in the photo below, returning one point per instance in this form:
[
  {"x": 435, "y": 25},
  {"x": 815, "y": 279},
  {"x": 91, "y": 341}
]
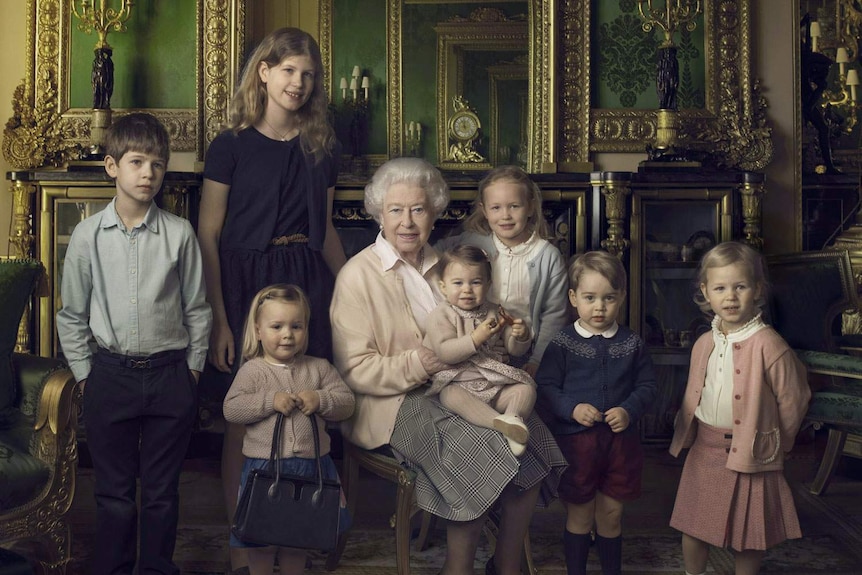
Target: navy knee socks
[
  {"x": 610, "y": 554},
  {"x": 576, "y": 547}
]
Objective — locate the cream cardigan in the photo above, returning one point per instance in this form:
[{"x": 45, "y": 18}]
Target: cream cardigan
[{"x": 375, "y": 342}]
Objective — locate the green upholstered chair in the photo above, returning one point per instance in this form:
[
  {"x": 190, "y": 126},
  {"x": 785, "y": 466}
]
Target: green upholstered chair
[
  {"x": 38, "y": 449},
  {"x": 809, "y": 293}
]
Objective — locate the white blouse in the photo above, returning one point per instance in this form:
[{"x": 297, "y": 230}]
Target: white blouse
[
  {"x": 716, "y": 402},
  {"x": 511, "y": 278}
]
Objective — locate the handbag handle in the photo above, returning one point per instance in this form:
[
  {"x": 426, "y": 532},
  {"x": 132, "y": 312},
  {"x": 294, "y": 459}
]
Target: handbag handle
[{"x": 275, "y": 459}]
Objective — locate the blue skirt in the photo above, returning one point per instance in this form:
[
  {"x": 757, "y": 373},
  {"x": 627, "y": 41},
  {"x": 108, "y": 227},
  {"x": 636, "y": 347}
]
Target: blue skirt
[{"x": 295, "y": 466}]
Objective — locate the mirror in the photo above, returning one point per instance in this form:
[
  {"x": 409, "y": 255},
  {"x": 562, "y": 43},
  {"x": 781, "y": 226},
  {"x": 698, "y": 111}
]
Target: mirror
[
  {"x": 498, "y": 54},
  {"x": 219, "y": 35}
]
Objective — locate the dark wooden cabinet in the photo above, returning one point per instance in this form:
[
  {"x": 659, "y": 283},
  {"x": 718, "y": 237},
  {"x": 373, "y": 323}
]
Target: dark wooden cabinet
[{"x": 660, "y": 223}]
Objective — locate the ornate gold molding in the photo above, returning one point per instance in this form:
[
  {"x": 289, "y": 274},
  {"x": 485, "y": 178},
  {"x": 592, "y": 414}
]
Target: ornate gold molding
[
  {"x": 220, "y": 28},
  {"x": 733, "y": 123}
]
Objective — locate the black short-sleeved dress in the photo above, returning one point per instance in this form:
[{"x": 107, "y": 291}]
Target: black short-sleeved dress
[{"x": 275, "y": 190}]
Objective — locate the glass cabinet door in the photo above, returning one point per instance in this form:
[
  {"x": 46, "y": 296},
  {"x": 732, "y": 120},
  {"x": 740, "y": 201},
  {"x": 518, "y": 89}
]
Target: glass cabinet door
[{"x": 670, "y": 231}]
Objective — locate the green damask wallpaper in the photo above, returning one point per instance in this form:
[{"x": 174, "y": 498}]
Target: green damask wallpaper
[
  {"x": 624, "y": 59},
  {"x": 155, "y": 59}
]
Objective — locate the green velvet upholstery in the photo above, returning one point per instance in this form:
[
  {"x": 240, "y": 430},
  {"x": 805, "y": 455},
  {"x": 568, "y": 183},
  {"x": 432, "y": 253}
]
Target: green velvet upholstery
[
  {"x": 38, "y": 445},
  {"x": 809, "y": 291},
  {"x": 18, "y": 278}
]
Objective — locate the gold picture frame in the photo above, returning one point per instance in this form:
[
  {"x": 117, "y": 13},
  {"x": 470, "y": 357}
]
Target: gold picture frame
[
  {"x": 733, "y": 121},
  {"x": 541, "y": 124},
  {"x": 220, "y": 26}
]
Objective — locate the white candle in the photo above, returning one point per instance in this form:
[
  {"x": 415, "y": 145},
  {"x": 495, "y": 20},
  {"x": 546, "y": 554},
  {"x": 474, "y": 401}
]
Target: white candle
[
  {"x": 842, "y": 57},
  {"x": 354, "y": 87},
  {"x": 418, "y": 131},
  {"x": 343, "y": 87},
  {"x": 853, "y": 81},
  {"x": 356, "y": 72},
  {"x": 365, "y": 85},
  {"x": 814, "y": 30},
  {"x": 410, "y": 130}
]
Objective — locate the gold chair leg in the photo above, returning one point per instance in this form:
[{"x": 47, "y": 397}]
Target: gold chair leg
[
  {"x": 834, "y": 447},
  {"x": 429, "y": 520},
  {"x": 403, "y": 508},
  {"x": 350, "y": 485}
]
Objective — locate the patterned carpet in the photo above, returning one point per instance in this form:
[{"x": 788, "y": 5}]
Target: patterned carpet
[{"x": 832, "y": 541}]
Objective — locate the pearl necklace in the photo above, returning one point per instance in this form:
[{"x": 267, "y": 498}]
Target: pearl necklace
[
  {"x": 421, "y": 261},
  {"x": 274, "y": 131}
]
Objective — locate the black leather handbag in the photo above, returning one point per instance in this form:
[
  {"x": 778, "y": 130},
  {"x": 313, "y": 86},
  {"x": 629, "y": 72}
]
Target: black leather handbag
[{"x": 288, "y": 510}]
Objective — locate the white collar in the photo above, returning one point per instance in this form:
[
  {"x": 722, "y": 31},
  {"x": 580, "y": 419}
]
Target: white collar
[
  {"x": 389, "y": 257},
  {"x": 607, "y": 334}
]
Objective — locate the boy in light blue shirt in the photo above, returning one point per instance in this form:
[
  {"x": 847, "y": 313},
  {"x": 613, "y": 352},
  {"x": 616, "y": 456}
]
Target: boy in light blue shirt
[{"x": 134, "y": 328}]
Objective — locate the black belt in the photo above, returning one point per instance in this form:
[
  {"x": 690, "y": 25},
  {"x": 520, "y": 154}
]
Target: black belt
[{"x": 159, "y": 359}]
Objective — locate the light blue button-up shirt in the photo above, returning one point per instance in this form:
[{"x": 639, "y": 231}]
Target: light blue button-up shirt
[{"x": 133, "y": 292}]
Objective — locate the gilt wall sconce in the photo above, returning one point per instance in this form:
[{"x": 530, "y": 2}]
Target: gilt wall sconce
[{"x": 357, "y": 105}]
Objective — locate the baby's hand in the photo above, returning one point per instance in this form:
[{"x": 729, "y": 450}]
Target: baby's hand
[
  {"x": 586, "y": 414},
  {"x": 618, "y": 419},
  {"x": 485, "y": 330},
  {"x": 308, "y": 401},
  {"x": 519, "y": 330},
  {"x": 283, "y": 402}
]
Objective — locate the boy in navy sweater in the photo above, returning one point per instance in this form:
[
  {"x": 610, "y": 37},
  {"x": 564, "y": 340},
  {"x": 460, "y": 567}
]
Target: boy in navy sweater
[{"x": 595, "y": 381}]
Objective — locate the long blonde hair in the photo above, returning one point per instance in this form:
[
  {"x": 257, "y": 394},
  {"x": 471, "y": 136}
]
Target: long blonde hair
[
  {"x": 282, "y": 293},
  {"x": 477, "y": 222},
  {"x": 248, "y": 105}
]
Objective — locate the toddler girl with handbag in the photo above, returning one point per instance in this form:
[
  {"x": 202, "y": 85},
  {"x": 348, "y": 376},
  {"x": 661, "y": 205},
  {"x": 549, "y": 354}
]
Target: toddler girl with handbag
[{"x": 275, "y": 394}]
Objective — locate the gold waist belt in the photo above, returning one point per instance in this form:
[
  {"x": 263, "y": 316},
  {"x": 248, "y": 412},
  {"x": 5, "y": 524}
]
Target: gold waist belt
[{"x": 291, "y": 239}]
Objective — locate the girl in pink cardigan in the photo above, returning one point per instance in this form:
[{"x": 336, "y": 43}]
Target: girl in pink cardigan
[{"x": 746, "y": 396}]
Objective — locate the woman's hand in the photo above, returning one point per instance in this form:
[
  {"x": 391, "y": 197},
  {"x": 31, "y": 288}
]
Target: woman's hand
[
  {"x": 430, "y": 362},
  {"x": 284, "y": 402},
  {"x": 307, "y": 401},
  {"x": 586, "y": 414},
  {"x": 531, "y": 368},
  {"x": 618, "y": 418},
  {"x": 221, "y": 352}
]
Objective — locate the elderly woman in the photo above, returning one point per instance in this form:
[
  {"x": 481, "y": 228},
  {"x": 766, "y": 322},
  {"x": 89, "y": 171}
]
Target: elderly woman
[{"x": 383, "y": 296}]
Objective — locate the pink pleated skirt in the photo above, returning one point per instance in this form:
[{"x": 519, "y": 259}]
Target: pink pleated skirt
[{"x": 726, "y": 508}]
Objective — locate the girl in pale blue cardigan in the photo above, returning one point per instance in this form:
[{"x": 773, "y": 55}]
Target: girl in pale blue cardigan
[{"x": 529, "y": 273}]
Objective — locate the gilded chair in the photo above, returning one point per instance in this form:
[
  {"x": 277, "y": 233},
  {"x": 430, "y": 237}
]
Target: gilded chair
[
  {"x": 809, "y": 294},
  {"x": 387, "y": 467},
  {"x": 38, "y": 448}
]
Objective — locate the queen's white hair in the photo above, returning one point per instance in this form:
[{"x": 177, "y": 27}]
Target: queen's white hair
[{"x": 414, "y": 171}]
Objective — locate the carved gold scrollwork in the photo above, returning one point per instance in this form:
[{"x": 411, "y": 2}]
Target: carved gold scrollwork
[
  {"x": 615, "y": 195},
  {"x": 220, "y": 36},
  {"x": 733, "y": 124},
  {"x": 21, "y": 236},
  {"x": 752, "y": 196}
]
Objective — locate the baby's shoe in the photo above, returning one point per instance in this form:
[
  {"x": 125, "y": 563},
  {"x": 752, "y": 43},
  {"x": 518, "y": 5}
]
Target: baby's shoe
[
  {"x": 518, "y": 449},
  {"x": 513, "y": 428}
]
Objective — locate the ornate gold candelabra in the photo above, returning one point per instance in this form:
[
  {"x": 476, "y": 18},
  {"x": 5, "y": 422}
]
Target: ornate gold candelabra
[
  {"x": 103, "y": 19},
  {"x": 358, "y": 107},
  {"x": 675, "y": 14}
]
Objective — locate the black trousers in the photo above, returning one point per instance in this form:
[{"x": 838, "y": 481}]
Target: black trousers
[{"x": 139, "y": 421}]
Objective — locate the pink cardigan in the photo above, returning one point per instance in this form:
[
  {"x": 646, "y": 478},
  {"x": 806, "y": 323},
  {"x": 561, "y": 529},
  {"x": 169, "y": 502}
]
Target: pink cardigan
[
  {"x": 375, "y": 340},
  {"x": 771, "y": 396}
]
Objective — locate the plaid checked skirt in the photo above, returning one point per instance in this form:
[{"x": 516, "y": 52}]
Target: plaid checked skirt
[
  {"x": 726, "y": 508},
  {"x": 461, "y": 468}
]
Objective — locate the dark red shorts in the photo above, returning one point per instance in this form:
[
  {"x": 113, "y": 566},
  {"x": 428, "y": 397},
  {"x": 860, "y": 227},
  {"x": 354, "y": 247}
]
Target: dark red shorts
[{"x": 601, "y": 460}]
